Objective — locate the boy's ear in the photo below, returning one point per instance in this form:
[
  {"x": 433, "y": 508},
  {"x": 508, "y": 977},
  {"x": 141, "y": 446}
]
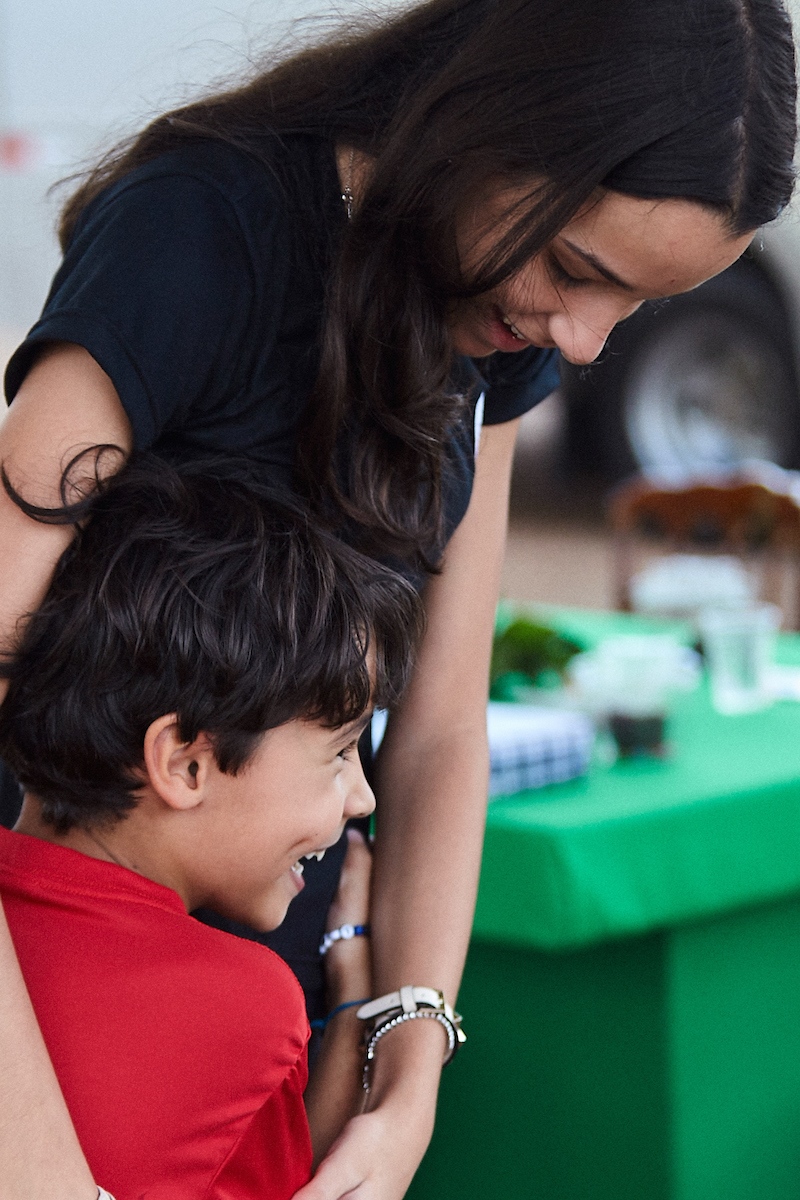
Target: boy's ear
[{"x": 177, "y": 771}]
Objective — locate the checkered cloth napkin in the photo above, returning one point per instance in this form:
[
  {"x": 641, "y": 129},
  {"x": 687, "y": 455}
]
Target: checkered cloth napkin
[{"x": 529, "y": 746}]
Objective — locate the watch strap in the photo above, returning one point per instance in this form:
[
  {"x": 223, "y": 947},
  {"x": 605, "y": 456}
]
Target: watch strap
[{"x": 407, "y": 999}]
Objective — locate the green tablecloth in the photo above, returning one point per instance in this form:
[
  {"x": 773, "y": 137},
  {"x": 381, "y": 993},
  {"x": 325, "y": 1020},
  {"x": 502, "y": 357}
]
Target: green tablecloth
[
  {"x": 646, "y": 844},
  {"x": 632, "y": 987}
]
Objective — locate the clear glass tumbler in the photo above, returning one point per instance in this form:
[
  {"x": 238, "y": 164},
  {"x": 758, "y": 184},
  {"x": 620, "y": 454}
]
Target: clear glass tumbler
[{"x": 739, "y": 646}]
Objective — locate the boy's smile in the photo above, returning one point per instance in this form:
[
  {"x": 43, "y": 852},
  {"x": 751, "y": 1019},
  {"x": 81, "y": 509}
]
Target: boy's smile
[
  {"x": 233, "y": 843},
  {"x": 289, "y": 802}
]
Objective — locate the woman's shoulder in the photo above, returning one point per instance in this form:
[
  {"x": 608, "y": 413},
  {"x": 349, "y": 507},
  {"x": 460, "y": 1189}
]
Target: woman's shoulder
[
  {"x": 272, "y": 195},
  {"x": 202, "y": 172},
  {"x": 180, "y": 279}
]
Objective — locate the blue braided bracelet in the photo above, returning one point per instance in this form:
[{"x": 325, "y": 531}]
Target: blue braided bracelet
[
  {"x": 321, "y": 1022},
  {"x": 343, "y": 934}
]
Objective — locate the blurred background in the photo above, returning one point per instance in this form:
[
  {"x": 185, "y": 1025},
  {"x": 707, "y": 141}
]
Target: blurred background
[{"x": 703, "y": 382}]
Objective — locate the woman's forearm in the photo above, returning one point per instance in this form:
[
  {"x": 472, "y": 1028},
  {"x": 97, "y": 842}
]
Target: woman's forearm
[
  {"x": 423, "y": 900},
  {"x": 65, "y": 404},
  {"x": 431, "y": 787},
  {"x": 433, "y": 774},
  {"x": 433, "y": 767},
  {"x": 428, "y": 850},
  {"x": 429, "y": 844},
  {"x": 39, "y": 1151}
]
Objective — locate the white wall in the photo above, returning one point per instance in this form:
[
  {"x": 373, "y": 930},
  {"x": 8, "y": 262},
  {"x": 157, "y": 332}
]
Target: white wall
[
  {"x": 100, "y": 62},
  {"x": 78, "y": 74}
]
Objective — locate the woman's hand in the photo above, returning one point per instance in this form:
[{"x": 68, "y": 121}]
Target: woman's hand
[
  {"x": 374, "y": 1157},
  {"x": 377, "y": 1153}
]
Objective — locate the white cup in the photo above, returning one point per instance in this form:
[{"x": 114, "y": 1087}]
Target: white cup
[
  {"x": 739, "y": 645},
  {"x": 634, "y": 674},
  {"x": 628, "y": 681}
]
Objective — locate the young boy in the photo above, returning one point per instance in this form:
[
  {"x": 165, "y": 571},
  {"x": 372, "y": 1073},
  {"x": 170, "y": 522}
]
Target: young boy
[{"x": 183, "y": 713}]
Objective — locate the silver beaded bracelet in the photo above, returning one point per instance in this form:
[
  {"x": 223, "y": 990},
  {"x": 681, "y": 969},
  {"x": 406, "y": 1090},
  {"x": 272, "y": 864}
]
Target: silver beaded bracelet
[
  {"x": 430, "y": 1014},
  {"x": 408, "y": 1003}
]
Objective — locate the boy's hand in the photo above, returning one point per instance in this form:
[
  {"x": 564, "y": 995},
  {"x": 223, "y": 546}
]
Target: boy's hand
[
  {"x": 334, "y": 1092},
  {"x": 347, "y": 963}
]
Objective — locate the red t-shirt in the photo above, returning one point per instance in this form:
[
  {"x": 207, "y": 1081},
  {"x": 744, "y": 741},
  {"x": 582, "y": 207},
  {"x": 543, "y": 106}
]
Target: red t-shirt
[{"x": 181, "y": 1050}]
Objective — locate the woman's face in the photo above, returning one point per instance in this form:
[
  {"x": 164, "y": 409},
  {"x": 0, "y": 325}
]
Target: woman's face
[{"x": 617, "y": 252}]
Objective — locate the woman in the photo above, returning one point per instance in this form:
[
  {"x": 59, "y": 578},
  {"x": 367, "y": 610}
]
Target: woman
[{"x": 306, "y": 269}]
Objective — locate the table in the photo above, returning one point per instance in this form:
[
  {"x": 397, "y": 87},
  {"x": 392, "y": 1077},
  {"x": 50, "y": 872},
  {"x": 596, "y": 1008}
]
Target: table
[{"x": 632, "y": 992}]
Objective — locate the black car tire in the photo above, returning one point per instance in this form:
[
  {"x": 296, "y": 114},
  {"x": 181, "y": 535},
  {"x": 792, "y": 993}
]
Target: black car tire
[{"x": 705, "y": 379}]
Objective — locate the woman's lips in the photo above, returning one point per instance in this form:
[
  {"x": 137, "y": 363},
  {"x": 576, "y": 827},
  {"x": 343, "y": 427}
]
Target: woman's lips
[
  {"x": 500, "y": 334},
  {"x": 490, "y": 332}
]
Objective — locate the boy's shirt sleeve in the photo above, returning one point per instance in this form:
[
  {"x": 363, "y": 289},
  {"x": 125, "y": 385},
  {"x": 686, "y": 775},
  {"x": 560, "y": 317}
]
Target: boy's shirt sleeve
[{"x": 272, "y": 1159}]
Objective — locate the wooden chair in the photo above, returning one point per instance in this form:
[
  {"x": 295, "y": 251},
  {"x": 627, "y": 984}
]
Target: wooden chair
[{"x": 757, "y": 520}]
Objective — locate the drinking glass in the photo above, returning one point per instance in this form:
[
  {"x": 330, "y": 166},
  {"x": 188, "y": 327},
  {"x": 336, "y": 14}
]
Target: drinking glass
[{"x": 739, "y": 645}]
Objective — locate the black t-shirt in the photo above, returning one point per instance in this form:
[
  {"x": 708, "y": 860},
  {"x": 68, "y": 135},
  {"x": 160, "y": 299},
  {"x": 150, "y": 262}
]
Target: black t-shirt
[{"x": 197, "y": 283}]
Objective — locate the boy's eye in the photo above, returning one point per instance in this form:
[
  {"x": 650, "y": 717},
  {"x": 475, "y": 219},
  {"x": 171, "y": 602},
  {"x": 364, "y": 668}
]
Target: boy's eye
[{"x": 347, "y": 750}]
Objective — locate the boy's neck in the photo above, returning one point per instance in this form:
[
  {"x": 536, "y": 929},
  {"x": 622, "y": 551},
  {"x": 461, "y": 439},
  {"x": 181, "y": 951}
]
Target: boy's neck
[{"x": 106, "y": 843}]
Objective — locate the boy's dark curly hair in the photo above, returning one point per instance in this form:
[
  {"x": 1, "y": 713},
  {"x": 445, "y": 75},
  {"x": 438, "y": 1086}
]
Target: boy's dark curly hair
[{"x": 198, "y": 590}]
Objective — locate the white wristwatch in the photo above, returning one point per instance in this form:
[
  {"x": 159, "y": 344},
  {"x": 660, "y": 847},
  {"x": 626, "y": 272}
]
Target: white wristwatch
[
  {"x": 408, "y": 1004},
  {"x": 407, "y": 999}
]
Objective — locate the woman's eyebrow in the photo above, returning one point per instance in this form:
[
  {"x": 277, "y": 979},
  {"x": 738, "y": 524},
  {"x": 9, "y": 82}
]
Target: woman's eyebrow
[{"x": 598, "y": 266}]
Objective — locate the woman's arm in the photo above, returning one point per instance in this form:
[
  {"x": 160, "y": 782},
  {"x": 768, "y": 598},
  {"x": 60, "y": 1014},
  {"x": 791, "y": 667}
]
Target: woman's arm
[
  {"x": 66, "y": 403},
  {"x": 432, "y": 785}
]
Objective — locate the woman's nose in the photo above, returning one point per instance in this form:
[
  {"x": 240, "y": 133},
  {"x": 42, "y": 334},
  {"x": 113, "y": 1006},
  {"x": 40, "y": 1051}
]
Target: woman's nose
[
  {"x": 581, "y": 334},
  {"x": 360, "y": 801}
]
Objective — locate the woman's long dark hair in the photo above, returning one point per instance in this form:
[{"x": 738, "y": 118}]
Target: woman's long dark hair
[{"x": 653, "y": 98}]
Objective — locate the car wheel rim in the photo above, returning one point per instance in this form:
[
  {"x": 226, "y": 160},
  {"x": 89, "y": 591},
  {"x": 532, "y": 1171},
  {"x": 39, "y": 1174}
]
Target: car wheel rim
[{"x": 707, "y": 393}]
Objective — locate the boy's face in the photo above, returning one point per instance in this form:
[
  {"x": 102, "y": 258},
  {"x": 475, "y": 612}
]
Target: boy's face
[{"x": 290, "y": 800}]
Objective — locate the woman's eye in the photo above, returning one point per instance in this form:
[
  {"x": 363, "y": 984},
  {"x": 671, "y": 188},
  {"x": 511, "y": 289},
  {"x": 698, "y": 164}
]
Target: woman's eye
[{"x": 562, "y": 275}]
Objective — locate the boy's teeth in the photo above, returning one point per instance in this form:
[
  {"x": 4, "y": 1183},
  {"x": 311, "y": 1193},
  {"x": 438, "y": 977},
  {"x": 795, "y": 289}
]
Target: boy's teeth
[
  {"x": 297, "y": 867},
  {"x": 317, "y": 854}
]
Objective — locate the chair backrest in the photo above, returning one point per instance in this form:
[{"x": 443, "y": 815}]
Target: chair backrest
[{"x": 734, "y": 516}]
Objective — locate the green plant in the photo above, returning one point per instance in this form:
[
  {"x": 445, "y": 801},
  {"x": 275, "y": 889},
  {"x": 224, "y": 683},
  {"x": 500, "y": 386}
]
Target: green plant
[{"x": 526, "y": 654}]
